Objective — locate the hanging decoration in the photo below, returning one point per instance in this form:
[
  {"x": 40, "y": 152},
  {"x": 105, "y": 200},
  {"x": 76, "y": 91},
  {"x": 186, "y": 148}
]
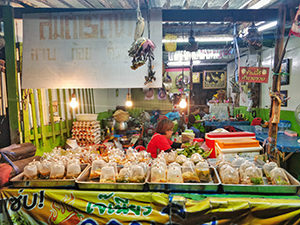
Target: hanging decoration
[
  {"x": 254, "y": 38},
  {"x": 142, "y": 48}
]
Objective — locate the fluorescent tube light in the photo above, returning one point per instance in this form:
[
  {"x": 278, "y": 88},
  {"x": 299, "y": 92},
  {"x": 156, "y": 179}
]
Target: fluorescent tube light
[
  {"x": 202, "y": 39},
  {"x": 267, "y": 26},
  {"x": 260, "y": 4},
  {"x": 183, "y": 63}
]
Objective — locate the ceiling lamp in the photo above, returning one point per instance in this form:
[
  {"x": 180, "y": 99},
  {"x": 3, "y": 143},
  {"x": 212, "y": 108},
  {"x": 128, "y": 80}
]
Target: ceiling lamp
[
  {"x": 183, "y": 103},
  {"x": 74, "y": 103},
  {"x": 128, "y": 102}
]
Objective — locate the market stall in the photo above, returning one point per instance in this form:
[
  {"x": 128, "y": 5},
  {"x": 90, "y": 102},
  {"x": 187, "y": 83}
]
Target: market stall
[{"x": 93, "y": 168}]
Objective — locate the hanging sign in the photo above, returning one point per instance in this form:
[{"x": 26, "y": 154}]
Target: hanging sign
[
  {"x": 254, "y": 74},
  {"x": 86, "y": 50}
]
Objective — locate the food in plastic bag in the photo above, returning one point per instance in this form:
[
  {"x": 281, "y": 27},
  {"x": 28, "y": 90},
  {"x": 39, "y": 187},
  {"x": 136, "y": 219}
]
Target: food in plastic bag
[
  {"x": 73, "y": 169},
  {"x": 229, "y": 175},
  {"x": 203, "y": 172},
  {"x": 137, "y": 174},
  {"x": 144, "y": 166},
  {"x": 188, "y": 166},
  {"x": 44, "y": 169},
  {"x": 181, "y": 159},
  {"x": 144, "y": 156},
  {"x": 253, "y": 175},
  {"x": 196, "y": 157},
  {"x": 131, "y": 154},
  {"x": 188, "y": 172},
  {"x": 238, "y": 161},
  {"x": 243, "y": 168},
  {"x": 57, "y": 170},
  {"x": 108, "y": 175},
  {"x": 278, "y": 177},
  {"x": 268, "y": 167},
  {"x": 170, "y": 157},
  {"x": 174, "y": 164},
  {"x": 174, "y": 175},
  {"x": 158, "y": 174},
  {"x": 123, "y": 176},
  {"x": 31, "y": 171},
  {"x": 97, "y": 165}
]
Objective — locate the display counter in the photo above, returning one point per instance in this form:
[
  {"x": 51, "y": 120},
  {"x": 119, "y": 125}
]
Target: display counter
[{"x": 59, "y": 206}]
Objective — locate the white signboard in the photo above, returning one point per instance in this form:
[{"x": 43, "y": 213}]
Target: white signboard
[{"x": 86, "y": 50}]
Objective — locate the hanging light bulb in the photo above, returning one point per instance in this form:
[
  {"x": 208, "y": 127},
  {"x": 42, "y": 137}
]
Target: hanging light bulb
[
  {"x": 128, "y": 102},
  {"x": 183, "y": 103},
  {"x": 74, "y": 103}
]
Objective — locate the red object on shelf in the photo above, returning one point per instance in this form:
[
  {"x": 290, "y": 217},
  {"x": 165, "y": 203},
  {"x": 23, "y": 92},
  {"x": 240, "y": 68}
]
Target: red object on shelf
[
  {"x": 198, "y": 140},
  {"x": 256, "y": 121},
  {"x": 212, "y": 137}
]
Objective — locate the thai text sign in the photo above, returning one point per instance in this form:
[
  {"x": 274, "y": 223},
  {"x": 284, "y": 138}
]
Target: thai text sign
[
  {"x": 254, "y": 74},
  {"x": 70, "y": 207},
  {"x": 86, "y": 50}
]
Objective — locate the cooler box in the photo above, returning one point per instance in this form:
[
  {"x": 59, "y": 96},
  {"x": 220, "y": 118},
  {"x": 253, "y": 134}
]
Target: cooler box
[
  {"x": 237, "y": 145},
  {"x": 211, "y": 137}
]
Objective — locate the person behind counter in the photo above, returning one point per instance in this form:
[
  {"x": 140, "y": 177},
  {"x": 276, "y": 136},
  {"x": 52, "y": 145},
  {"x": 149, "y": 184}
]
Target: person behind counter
[
  {"x": 161, "y": 139},
  {"x": 195, "y": 122}
]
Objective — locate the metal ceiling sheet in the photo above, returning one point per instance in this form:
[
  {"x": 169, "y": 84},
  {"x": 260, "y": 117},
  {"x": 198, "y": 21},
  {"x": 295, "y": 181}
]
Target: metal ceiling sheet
[{"x": 128, "y": 4}]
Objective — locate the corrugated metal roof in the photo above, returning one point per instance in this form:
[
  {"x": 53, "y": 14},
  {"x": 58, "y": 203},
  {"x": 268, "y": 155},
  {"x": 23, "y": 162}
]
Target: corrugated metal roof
[{"x": 132, "y": 4}]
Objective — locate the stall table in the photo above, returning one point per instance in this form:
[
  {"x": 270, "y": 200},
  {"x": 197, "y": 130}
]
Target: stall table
[
  {"x": 220, "y": 124},
  {"x": 285, "y": 144},
  {"x": 57, "y": 206}
]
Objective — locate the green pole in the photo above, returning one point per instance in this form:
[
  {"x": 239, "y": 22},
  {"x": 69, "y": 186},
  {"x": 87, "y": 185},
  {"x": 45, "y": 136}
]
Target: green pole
[{"x": 11, "y": 71}]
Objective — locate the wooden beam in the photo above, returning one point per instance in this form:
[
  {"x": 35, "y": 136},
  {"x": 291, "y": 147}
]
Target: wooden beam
[
  {"x": 34, "y": 118},
  {"x": 11, "y": 72},
  {"x": 275, "y": 101}
]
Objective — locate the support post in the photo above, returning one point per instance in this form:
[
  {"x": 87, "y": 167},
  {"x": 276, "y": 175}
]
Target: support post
[
  {"x": 11, "y": 72},
  {"x": 275, "y": 101}
]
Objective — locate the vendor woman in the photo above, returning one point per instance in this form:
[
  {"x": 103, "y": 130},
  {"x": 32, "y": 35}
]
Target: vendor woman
[{"x": 161, "y": 139}]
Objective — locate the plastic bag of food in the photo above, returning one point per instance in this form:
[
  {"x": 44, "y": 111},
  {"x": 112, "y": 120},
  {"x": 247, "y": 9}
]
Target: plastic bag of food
[
  {"x": 203, "y": 172},
  {"x": 174, "y": 175},
  {"x": 188, "y": 172},
  {"x": 170, "y": 157},
  {"x": 144, "y": 166},
  {"x": 123, "y": 176},
  {"x": 174, "y": 164},
  {"x": 229, "y": 175},
  {"x": 57, "y": 170},
  {"x": 196, "y": 157},
  {"x": 143, "y": 156},
  {"x": 137, "y": 174},
  {"x": 73, "y": 169},
  {"x": 31, "y": 171},
  {"x": 238, "y": 161},
  {"x": 188, "y": 166},
  {"x": 181, "y": 159},
  {"x": 131, "y": 154},
  {"x": 279, "y": 177},
  {"x": 108, "y": 175},
  {"x": 243, "y": 168},
  {"x": 97, "y": 165},
  {"x": 158, "y": 174},
  {"x": 268, "y": 167},
  {"x": 44, "y": 169},
  {"x": 253, "y": 175}
]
